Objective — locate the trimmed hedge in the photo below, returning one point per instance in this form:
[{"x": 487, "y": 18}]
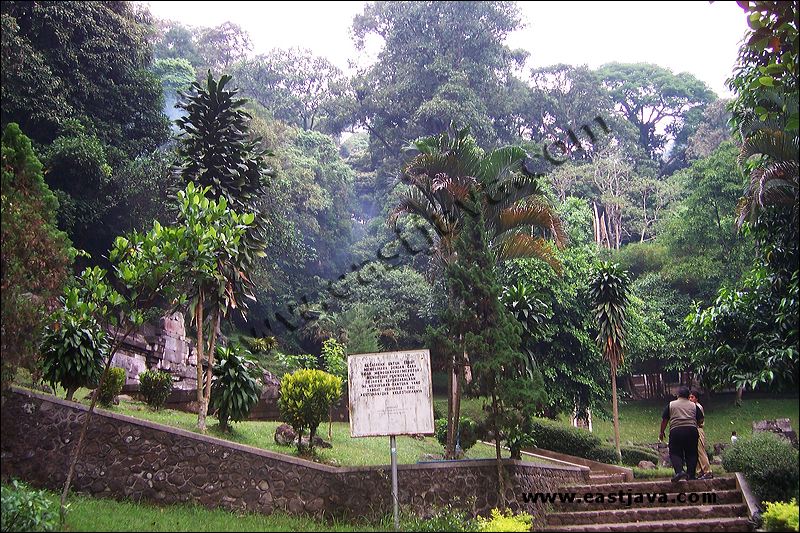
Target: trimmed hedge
[
  {"x": 770, "y": 464},
  {"x": 632, "y": 455},
  {"x": 155, "y": 386},
  {"x": 557, "y": 437}
]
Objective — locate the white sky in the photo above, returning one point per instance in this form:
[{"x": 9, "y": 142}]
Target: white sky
[{"x": 695, "y": 37}]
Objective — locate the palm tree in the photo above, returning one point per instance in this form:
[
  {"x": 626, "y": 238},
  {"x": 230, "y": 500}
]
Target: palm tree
[
  {"x": 774, "y": 179},
  {"x": 609, "y": 293},
  {"x": 448, "y": 177}
]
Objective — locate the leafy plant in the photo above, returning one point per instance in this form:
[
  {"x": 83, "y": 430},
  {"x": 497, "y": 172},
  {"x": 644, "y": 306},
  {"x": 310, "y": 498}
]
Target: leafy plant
[
  {"x": 235, "y": 390},
  {"x": 467, "y": 432},
  {"x": 74, "y": 347},
  {"x": 26, "y": 509},
  {"x": 505, "y": 521},
  {"x": 557, "y": 437},
  {"x": 306, "y": 396},
  {"x": 446, "y": 518},
  {"x": 155, "y": 386},
  {"x": 335, "y": 358},
  {"x": 769, "y": 463},
  {"x": 781, "y": 516},
  {"x": 111, "y": 386}
]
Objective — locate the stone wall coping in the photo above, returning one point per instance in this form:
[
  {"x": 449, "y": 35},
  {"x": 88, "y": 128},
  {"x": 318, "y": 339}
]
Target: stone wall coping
[{"x": 462, "y": 463}]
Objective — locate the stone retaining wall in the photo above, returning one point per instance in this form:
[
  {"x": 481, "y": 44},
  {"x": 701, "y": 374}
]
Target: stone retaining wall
[{"x": 128, "y": 458}]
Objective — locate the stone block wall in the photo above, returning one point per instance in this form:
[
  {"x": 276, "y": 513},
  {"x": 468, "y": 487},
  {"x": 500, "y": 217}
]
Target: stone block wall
[{"x": 134, "y": 459}]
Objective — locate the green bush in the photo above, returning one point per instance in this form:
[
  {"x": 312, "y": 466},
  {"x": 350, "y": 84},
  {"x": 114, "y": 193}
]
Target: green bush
[
  {"x": 603, "y": 454},
  {"x": 446, "y": 518},
  {"x": 112, "y": 386},
  {"x": 235, "y": 389},
  {"x": 306, "y": 396},
  {"x": 769, "y": 463},
  {"x": 335, "y": 358},
  {"x": 73, "y": 352},
  {"x": 506, "y": 521},
  {"x": 781, "y": 516},
  {"x": 557, "y": 437},
  {"x": 26, "y": 509},
  {"x": 632, "y": 455},
  {"x": 468, "y": 432},
  {"x": 155, "y": 386}
]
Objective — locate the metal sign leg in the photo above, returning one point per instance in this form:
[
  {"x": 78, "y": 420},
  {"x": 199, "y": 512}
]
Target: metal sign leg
[{"x": 395, "y": 498}]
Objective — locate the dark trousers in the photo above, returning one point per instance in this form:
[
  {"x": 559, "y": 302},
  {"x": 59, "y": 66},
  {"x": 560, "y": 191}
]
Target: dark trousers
[{"x": 683, "y": 448}]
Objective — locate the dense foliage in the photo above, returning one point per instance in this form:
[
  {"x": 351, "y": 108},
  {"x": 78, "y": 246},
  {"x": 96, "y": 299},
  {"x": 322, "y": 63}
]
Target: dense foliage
[{"x": 35, "y": 255}]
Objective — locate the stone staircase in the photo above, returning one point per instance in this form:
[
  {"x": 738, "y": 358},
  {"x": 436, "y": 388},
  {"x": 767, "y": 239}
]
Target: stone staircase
[{"x": 728, "y": 513}]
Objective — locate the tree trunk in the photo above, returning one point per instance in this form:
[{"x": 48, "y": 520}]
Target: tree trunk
[
  {"x": 70, "y": 393},
  {"x": 739, "y": 393},
  {"x": 198, "y": 317},
  {"x": 501, "y": 484},
  {"x": 79, "y": 445},
  {"x": 615, "y": 408},
  {"x": 210, "y": 368},
  {"x": 452, "y": 421}
]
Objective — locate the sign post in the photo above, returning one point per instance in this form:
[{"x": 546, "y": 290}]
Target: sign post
[{"x": 390, "y": 394}]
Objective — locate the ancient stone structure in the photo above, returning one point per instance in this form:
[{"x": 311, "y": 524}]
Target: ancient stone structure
[
  {"x": 129, "y": 458},
  {"x": 781, "y": 427},
  {"x": 159, "y": 348}
]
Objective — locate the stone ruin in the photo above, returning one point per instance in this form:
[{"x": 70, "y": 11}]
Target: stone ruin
[
  {"x": 162, "y": 347},
  {"x": 780, "y": 426}
]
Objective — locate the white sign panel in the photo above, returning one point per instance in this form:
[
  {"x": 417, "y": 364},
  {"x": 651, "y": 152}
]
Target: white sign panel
[{"x": 390, "y": 393}]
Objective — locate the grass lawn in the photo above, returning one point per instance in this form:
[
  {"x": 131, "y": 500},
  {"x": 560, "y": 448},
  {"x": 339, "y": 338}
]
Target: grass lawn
[
  {"x": 639, "y": 421},
  {"x": 346, "y": 451},
  {"x": 101, "y": 514}
]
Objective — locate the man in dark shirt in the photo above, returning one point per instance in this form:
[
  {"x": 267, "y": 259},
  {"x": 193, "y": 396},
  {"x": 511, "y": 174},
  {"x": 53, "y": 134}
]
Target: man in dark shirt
[{"x": 683, "y": 417}]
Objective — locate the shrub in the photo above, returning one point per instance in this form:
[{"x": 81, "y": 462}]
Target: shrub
[
  {"x": 155, "y": 386},
  {"x": 604, "y": 454},
  {"x": 306, "y": 396},
  {"x": 235, "y": 389},
  {"x": 112, "y": 386},
  {"x": 781, "y": 516},
  {"x": 73, "y": 350},
  {"x": 506, "y": 521},
  {"x": 26, "y": 509},
  {"x": 632, "y": 455},
  {"x": 558, "y": 437},
  {"x": 262, "y": 344},
  {"x": 769, "y": 463},
  {"x": 468, "y": 432},
  {"x": 335, "y": 358},
  {"x": 446, "y": 518}
]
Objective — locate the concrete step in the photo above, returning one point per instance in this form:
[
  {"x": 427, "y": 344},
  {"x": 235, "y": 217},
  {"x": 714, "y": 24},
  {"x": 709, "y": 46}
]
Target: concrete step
[
  {"x": 713, "y": 524},
  {"x": 658, "y": 485},
  {"x": 721, "y": 497},
  {"x": 647, "y": 514},
  {"x": 602, "y": 478}
]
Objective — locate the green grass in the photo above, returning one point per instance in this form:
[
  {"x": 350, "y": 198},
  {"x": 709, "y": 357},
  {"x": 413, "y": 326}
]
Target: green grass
[
  {"x": 100, "y": 514},
  {"x": 639, "y": 421}
]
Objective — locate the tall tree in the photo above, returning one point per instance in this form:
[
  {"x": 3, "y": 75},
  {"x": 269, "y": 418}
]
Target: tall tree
[
  {"x": 441, "y": 62},
  {"x": 653, "y": 98},
  {"x": 483, "y": 327},
  {"x": 294, "y": 85},
  {"x": 608, "y": 291},
  {"x": 217, "y": 154},
  {"x": 35, "y": 255},
  {"x": 450, "y": 179}
]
